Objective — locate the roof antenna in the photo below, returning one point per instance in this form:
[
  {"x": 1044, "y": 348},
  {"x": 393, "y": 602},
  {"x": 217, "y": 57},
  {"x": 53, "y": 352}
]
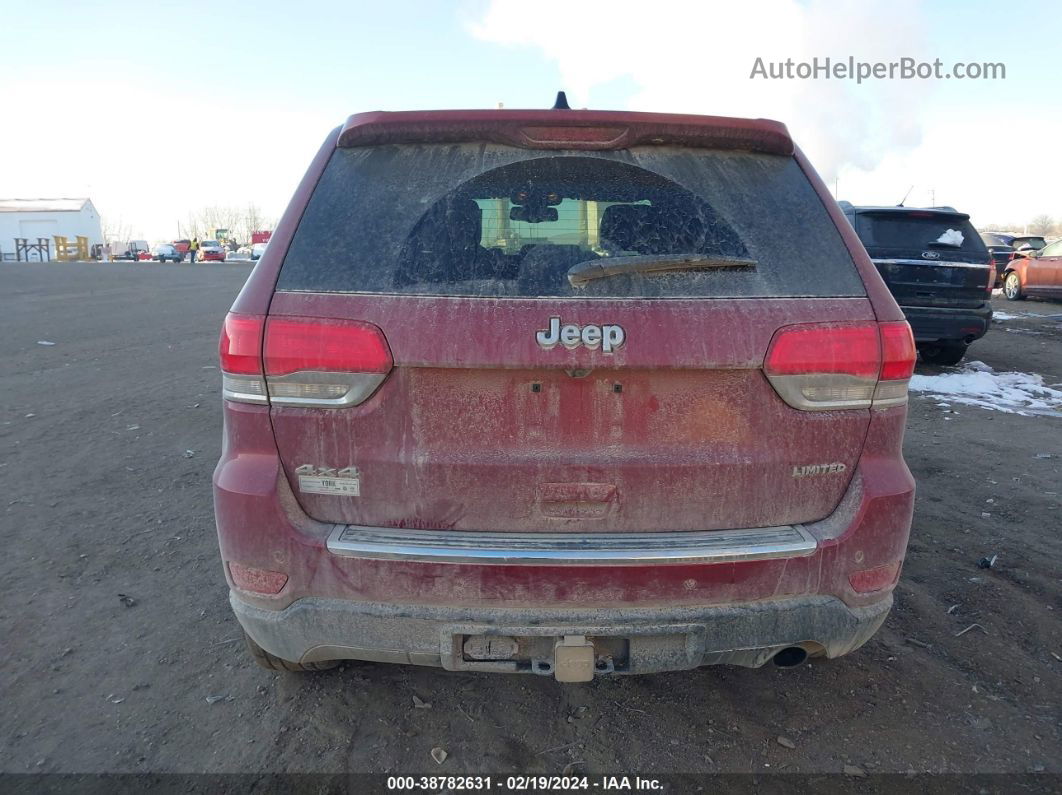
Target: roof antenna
[
  {"x": 905, "y": 196},
  {"x": 562, "y": 102}
]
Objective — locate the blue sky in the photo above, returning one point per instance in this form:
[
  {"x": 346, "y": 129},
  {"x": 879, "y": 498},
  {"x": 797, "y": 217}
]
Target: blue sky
[{"x": 159, "y": 109}]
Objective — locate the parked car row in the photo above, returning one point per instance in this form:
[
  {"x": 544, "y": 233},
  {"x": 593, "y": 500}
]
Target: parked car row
[
  {"x": 1005, "y": 247},
  {"x": 166, "y": 252},
  {"x": 209, "y": 251},
  {"x": 177, "y": 251},
  {"x": 937, "y": 268},
  {"x": 942, "y": 272},
  {"x": 1034, "y": 273}
]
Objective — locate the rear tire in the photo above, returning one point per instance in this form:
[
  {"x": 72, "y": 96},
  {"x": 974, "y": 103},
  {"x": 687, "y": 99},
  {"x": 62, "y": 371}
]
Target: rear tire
[
  {"x": 1012, "y": 287},
  {"x": 943, "y": 353},
  {"x": 273, "y": 663}
]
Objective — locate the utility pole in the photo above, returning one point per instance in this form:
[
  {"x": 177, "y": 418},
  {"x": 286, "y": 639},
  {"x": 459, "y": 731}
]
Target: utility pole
[{"x": 932, "y": 197}]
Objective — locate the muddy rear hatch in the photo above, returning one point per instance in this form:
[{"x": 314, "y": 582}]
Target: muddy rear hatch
[{"x": 485, "y": 337}]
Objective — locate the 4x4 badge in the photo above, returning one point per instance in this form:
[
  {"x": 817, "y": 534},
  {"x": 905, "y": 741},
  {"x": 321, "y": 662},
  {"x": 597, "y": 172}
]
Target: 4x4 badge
[{"x": 571, "y": 336}]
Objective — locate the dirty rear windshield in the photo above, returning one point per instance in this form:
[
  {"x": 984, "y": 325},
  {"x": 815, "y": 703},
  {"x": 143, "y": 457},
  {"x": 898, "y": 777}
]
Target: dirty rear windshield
[
  {"x": 923, "y": 231},
  {"x": 1035, "y": 242},
  {"x": 494, "y": 221}
]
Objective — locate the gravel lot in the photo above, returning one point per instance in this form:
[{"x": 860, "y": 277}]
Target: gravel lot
[{"x": 107, "y": 443}]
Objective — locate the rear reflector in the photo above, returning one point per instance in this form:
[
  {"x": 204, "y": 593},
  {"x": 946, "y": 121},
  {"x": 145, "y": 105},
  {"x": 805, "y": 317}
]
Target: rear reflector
[
  {"x": 874, "y": 579},
  {"x": 834, "y": 366},
  {"x": 261, "y": 581},
  {"x": 301, "y": 361}
]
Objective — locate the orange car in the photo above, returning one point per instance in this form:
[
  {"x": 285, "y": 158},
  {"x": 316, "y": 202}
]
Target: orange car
[{"x": 1035, "y": 274}]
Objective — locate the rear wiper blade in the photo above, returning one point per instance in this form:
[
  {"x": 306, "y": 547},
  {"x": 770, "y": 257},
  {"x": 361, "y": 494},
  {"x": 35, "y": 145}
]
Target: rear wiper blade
[
  {"x": 582, "y": 272},
  {"x": 933, "y": 243}
]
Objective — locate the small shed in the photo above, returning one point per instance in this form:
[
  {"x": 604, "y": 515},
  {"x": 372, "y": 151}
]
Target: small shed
[{"x": 36, "y": 218}]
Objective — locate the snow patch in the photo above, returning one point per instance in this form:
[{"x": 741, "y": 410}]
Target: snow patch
[
  {"x": 952, "y": 237},
  {"x": 977, "y": 384},
  {"x": 1004, "y": 316}
]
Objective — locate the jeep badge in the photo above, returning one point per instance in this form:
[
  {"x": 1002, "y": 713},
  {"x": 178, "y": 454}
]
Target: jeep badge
[{"x": 571, "y": 336}]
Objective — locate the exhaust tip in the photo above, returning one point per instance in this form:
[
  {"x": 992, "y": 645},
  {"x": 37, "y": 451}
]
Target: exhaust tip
[{"x": 790, "y": 657}]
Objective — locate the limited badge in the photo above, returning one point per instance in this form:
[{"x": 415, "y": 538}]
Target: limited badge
[{"x": 811, "y": 470}]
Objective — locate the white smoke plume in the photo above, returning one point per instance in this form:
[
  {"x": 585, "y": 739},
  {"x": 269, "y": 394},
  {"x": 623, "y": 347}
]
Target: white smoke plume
[{"x": 697, "y": 57}]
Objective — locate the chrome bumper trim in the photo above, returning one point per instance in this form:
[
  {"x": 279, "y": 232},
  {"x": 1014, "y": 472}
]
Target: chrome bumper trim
[{"x": 570, "y": 549}]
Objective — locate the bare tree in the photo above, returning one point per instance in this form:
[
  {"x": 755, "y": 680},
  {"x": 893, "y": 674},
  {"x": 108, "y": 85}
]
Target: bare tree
[
  {"x": 239, "y": 222},
  {"x": 1041, "y": 225},
  {"x": 115, "y": 230},
  {"x": 252, "y": 220}
]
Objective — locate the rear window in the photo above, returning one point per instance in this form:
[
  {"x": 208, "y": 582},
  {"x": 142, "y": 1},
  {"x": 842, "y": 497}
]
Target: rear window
[
  {"x": 497, "y": 221},
  {"x": 909, "y": 231},
  {"x": 995, "y": 240},
  {"x": 1035, "y": 242}
]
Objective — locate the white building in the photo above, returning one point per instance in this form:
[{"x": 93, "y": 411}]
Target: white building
[{"x": 34, "y": 218}]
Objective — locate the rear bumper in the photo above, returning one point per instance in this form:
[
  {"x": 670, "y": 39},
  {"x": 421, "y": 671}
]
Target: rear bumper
[
  {"x": 938, "y": 324},
  {"x": 731, "y": 597},
  {"x": 637, "y": 640}
]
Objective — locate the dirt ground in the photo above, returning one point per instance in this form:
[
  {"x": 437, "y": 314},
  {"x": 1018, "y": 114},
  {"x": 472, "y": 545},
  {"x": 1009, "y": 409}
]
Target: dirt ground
[{"x": 107, "y": 443}]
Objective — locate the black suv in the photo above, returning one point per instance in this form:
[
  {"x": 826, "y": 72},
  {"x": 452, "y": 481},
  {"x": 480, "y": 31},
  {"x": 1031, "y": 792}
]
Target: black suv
[{"x": 938, "y": 269}]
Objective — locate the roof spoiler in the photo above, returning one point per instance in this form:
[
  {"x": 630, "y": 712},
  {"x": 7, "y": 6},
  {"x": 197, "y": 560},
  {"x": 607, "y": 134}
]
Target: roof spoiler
[
  {"x": 901, "y": 209},
  {"x": 571, "y": 129}
]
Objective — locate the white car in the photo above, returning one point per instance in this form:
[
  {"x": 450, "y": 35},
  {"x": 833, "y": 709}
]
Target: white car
[
  {"x": 166, "y": 251},
  {"x": 257, "y": 250}
]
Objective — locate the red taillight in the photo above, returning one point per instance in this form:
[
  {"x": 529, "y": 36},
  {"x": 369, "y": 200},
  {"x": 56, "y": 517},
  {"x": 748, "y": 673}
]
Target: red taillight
[
  {"x": 240, "y": 351},
  {"x": 898, "y": 351},
  {"x": 240, "y": 347},
  {"x": 260, "y": 581},
  {"x": 310, "y": 362},
  {"x": 298, "y": 344},
  {"x": 822, "y": 348},
  {"x": 830, "y": 366},
  {"x": 323, "y": 362}
]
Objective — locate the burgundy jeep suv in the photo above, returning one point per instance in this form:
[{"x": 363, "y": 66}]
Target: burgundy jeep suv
[{"x": 568, "y": 393}]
